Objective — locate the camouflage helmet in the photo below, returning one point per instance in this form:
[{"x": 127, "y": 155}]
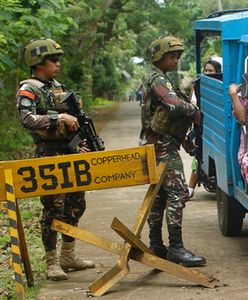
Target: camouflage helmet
[
  {"x": 36, "y": 51},
  {"x": 162, "y": 45}
]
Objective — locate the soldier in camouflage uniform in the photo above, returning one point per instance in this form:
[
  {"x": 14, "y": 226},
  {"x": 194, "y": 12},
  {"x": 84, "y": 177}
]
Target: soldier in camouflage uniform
[
  {"x": 166, "y": 117},
  {"x": 41, "y": 111}
]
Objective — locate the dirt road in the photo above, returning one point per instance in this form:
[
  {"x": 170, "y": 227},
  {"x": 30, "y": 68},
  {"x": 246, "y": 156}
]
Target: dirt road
[{"x": 227, "y": 258}]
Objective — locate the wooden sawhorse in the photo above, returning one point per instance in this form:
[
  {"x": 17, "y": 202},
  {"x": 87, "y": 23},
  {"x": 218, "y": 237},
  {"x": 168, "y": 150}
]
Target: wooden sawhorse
[
  {"x": 89, "y": 171},
  {"x": 133, "y": 247}
]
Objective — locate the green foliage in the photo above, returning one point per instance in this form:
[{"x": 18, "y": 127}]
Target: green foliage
[
  {"x": 14, "y": 140},
  {"x": 105, "y": 75},
  {"x": 211, "y": 6},
  {"x": 100, "y": 39}
]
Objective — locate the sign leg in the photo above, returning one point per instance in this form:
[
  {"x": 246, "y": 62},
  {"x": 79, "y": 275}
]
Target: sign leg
[
  {"x": 109, "y": 279},
  {"x": 13, "y": 228},
  {"x": 24, "y": 249},
  {"x": 121, "y": 269},
  {"x": 114, "y": 275}
]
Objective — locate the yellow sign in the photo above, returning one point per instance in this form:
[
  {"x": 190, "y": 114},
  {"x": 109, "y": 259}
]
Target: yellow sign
[{"x": 77, "y": 172}]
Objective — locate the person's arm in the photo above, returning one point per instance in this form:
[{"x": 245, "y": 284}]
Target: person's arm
[
  {"x": 192, "y": 96},
  {"x": 173, "y": 103},
  {"x": 238, "y": 108},
  {"x": 30, "y": 119}
]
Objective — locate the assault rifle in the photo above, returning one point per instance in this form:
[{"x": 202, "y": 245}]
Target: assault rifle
[{"x": 86, "y": 132}]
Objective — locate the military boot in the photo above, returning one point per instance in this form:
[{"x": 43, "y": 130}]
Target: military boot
[
  {"x": 69, "y": 261},
  {"x": 156, "y": 242},
  {"x": 178, "y": 254},
  {"x": 54, "y": 271}
]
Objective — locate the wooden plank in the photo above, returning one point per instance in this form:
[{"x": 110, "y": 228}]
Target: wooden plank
[
  {"x": 2, "y": 188},
  {"x": 13, "y": 229},
  {"x": 24, "y": 249},
  {"x": 175, "y": 269},
  {"x": 128, "y": 236},
  {"x": 148, "y": 200},
  {"x": 151, "y": 161},
  {"x": 87, "y": 237},
  {"x": 109, "y": 279},
  {"x": 112, "y": 276},
  {"x": 77, "y": 172},
  {"x": 121, "y": 269}
]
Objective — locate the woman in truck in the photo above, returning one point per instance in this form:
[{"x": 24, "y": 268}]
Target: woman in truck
[
  {"x": 210, "y": 67},
  {"x": 240, "y": 110}
]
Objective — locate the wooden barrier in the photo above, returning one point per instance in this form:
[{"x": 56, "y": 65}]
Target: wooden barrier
[
  {"x": 77, "y": 172},
  {"x": 15, "y": 240},
  {"x": 90, "y": 171}
]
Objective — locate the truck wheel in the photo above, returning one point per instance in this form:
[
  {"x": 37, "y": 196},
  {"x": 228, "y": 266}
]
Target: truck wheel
[
  {"x": 230, "y": 214},
  {"x": 210, "y": 184}
]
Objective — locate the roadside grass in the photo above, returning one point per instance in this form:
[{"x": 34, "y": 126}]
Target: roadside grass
[
  {"x": 18, "y": 145},
  {"x": 30, "y": 213}
]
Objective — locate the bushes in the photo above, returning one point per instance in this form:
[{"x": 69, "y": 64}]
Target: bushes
[{"x": 15, "y": 142}]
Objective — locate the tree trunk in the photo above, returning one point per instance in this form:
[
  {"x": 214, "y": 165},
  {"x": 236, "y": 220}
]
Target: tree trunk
[{"x": 219, "y": 5}]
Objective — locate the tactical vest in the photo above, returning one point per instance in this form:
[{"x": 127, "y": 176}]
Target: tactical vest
[
  {"x": 165, "y": 122},
  {"x": 53, "y": 98},
  {"x": 160, "y": 119},
  {"x": 51, "y": 103}
]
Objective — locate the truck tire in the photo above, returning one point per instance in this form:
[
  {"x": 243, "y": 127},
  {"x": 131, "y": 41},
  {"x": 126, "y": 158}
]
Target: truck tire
[
  {"x": 230, "y": 214},
  {"x": 210, "y": 184}
]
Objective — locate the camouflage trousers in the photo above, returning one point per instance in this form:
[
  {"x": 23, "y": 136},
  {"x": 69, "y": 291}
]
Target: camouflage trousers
[
  {"x": 173, "y": 192},
  {"x": 64, "y": 207}
]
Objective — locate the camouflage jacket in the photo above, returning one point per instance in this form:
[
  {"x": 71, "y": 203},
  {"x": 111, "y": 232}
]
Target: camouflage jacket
[
  {"x": 161, "y": 101},
  {"x": 39, "y": 103}
]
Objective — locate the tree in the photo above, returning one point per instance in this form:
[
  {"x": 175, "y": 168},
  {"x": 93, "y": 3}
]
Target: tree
[
  {"x": 20, "y": 22},
  {"x": 99, "y": 38}
]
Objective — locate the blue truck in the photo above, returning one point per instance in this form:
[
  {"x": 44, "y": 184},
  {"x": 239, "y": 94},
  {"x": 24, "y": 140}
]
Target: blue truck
[{"x": 220, "y": 130}]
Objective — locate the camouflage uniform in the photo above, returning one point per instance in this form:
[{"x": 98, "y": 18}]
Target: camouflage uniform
[
  {"x": 160, "y": 92},
  {"x": 44, "y": 113},
  {"x": 166, "y": 115},
  {"x": 39, "y": 104}
]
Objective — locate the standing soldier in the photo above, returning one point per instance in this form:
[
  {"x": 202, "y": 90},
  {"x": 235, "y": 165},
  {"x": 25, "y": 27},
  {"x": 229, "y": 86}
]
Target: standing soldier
[
  {"x": 42, "y": 112},
  {"x": 166, "y": 117}
]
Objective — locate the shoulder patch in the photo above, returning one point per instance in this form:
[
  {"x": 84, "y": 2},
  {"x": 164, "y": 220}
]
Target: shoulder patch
[
  {"x": 25, "y": 103},
  {"x": 27, "y": 94},
  {"x": 169, "y": 86}
]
